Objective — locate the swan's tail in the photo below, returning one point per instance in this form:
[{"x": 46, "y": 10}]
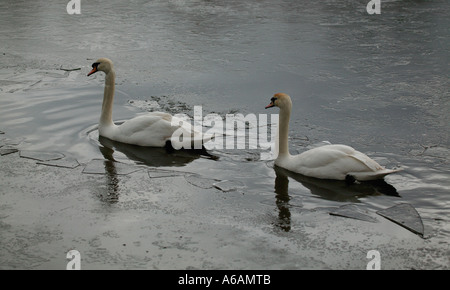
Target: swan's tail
[{"x": 373, "y": 175}]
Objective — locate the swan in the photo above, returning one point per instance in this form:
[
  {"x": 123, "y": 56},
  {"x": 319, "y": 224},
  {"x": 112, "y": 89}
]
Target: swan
[
  {"x": 338, "y": 162},
  {"x": 155, "y": 129}
]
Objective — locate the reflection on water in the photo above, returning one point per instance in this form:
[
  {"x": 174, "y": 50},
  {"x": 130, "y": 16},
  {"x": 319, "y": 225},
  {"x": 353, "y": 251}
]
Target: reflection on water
[
  {"x": 151, "y": 156},
  {"x": 112, "y": 180},
  {"x": 337, "y": 190},
  {"x": 112, "y": 193},
  {"x": 333, "y": 190},
  {"x": 282, "y": 200}
]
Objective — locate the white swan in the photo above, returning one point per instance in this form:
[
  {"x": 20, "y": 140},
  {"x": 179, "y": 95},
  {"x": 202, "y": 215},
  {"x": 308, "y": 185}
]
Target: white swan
[
  {"x": 338, "y": 162},
  {"x": 155, "y": 129}
]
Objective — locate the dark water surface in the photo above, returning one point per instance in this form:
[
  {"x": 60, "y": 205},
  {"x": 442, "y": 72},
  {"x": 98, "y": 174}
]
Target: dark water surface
[{"x": 376, "y": 82}]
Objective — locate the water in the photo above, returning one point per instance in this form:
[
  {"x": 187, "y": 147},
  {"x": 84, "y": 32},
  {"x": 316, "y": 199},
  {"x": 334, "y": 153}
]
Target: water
[{"x": 376, "y": 82}]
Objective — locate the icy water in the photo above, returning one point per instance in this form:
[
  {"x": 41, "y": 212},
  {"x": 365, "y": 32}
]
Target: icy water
[{"x": 376, "y": 82}]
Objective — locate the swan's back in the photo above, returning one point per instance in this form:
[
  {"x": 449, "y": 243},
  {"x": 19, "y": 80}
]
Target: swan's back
[
  {"x": 334, "y": 162},
  {"x": 152, "y": 129}
]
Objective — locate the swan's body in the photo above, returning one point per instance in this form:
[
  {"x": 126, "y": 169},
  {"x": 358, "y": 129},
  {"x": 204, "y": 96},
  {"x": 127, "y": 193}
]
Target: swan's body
[
  {"x": 154, "y": 129},
  {"x": 333, "y": 162},
  {"x": 339, "y": 162}
]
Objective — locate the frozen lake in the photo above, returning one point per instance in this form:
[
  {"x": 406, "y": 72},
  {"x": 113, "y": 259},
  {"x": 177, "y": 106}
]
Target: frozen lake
[{"x": 379, "y": 83}]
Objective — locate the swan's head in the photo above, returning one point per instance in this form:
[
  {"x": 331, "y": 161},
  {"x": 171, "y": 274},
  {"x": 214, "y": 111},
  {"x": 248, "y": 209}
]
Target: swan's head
[
  {"x": 102, "y": 64},
  {"x": 280, "y": 100}
]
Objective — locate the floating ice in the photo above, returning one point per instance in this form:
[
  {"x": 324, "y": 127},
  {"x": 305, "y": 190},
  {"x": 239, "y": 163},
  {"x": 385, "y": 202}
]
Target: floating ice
[
  {"x": 200, "y": 181},
  {"x": 6, "y": 151},
  {"x": 63, "y": 162},
  {"x": 354, "y": 212},
  {"x": 404, "y": 215},
  {"x": 157, "y": 173},
  {"x": 41, "y": 155},
  {"x": 7, "y": 141}
]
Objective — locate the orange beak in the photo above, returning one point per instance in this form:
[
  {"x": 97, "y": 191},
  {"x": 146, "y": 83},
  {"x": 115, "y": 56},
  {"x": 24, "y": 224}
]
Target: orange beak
[
  {"x": 94, "y": 70},
  {"x": 270, "y": 105}
]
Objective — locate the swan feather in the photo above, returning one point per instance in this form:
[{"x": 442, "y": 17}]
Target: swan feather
[
  {"x": 153, "y": 129},
  {"x": 325, "y": 162}
]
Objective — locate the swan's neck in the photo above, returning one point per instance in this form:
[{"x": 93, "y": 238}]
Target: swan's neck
[
  {"x": 108, "y": 99},
  {"x": 283, "y": 131}
]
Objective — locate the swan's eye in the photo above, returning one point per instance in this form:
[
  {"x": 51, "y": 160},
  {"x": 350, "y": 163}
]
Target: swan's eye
[
  {"x": 273, "y": 100},
  {"x": 95, "y": 64}
]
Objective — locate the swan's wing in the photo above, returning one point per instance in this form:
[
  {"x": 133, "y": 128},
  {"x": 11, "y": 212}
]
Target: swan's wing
[
  {"x": 335, "y": 162},
  {"x": 144, "y": 123},
  {"x": 321, "y": 162},
  {"x": 323, "y": 156},
  {"x": 317, "y": 157},
  {"x": 155, "y": 129},
  {"x": 376, "y": 170},
  {"x": 338, "y": 152},
  {"x": 367, "y": 161},
  {"x": 145, "y": 130}
]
